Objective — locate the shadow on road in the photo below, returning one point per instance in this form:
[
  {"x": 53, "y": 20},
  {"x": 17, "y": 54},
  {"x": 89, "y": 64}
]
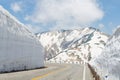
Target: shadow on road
[{"x": 13, "y": 71}]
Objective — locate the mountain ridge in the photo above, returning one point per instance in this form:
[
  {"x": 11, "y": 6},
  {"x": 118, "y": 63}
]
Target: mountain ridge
[{"x": 56, "y": 42}]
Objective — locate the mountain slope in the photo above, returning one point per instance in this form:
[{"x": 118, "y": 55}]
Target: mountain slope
[
  {"x": 72, "y": 45},
  {"x": 19, "y": 48},
  {"x": 108, "y": 63}
]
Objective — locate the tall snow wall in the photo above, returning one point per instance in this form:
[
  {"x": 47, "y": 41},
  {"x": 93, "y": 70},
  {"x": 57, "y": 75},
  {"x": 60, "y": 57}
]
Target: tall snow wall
[
  {"x": 19, "y": 48},
  {"x": 108, "y": 63}
]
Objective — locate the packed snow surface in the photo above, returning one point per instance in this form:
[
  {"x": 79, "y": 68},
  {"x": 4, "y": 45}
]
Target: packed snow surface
[{"x": 19, "y": 48}]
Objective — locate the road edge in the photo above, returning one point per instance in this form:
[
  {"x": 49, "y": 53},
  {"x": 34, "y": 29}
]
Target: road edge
[{"x": 94, "y": 73}]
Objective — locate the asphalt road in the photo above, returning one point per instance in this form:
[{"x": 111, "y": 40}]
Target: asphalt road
[{"x": 53, "y": 72}]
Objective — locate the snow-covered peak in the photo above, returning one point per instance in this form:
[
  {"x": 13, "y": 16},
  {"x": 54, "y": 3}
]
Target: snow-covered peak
[{"x": 78, "y": 41}]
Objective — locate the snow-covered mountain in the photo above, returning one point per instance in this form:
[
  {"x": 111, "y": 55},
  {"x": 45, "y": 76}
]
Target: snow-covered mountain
[
  {"x": 108, "y": 63},
  {"x": 72, "y": 45},
  {"x": 19, "y": 48}
]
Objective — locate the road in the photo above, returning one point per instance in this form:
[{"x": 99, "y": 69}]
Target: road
[{"x": 52, "y": 72}]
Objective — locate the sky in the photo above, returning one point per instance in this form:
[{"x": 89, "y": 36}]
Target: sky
[{"x": 45, "y": 15}]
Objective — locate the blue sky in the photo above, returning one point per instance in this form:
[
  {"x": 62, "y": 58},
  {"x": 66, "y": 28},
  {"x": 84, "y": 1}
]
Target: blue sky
[{"x": 44, "y": 15}]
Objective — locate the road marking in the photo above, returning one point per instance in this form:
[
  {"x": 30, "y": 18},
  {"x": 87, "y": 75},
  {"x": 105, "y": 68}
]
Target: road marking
[
  {"x": 84, "y": 71},
  {"x": 50, "y": 73}
]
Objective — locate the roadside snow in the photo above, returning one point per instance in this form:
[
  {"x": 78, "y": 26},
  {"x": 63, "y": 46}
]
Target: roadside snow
[
  {"x": 107, "y": 64},
  {"x": 19, "y": 48}
]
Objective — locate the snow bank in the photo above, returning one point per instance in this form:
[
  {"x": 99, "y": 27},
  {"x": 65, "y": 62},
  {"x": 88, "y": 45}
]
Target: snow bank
[
  {"x": 108, "y": 63},
  {"x": 19, "y": 48}
]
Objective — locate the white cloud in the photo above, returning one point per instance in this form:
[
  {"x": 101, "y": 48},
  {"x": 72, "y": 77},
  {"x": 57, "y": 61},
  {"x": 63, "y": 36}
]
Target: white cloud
[
  {"x": 101, "y": 26},
  {"x": 16, "y": 6},
  {"x": 34, "y": 28},
  {"x": 66, "y": 12}
]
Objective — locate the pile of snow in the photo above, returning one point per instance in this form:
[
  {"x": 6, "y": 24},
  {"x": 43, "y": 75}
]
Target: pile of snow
[
  {"x": 108, "y": 63},
  {"x": 73, "y": 46},
  {"x": 19, "y": 48}
]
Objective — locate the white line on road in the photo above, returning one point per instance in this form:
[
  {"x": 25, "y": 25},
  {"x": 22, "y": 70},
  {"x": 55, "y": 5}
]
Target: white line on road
[{"x": 84, "y": 71}]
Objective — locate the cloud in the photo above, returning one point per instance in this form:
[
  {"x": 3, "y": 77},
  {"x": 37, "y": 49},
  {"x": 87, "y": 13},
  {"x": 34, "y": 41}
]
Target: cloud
[
  {"x": 101, "y": 26},
  {"x": 64, "y": 13},
  {"x": 34, "y": 28},
  {"x": 16, "y": 6}
]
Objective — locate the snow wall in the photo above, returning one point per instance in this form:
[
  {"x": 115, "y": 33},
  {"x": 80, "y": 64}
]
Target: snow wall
[
  {"x": 19, "y": 48},
  {"x": 108, "y": 63}
]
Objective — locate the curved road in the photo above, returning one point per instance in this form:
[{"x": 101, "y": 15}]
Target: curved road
[{"x": 52, "y": 72}]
